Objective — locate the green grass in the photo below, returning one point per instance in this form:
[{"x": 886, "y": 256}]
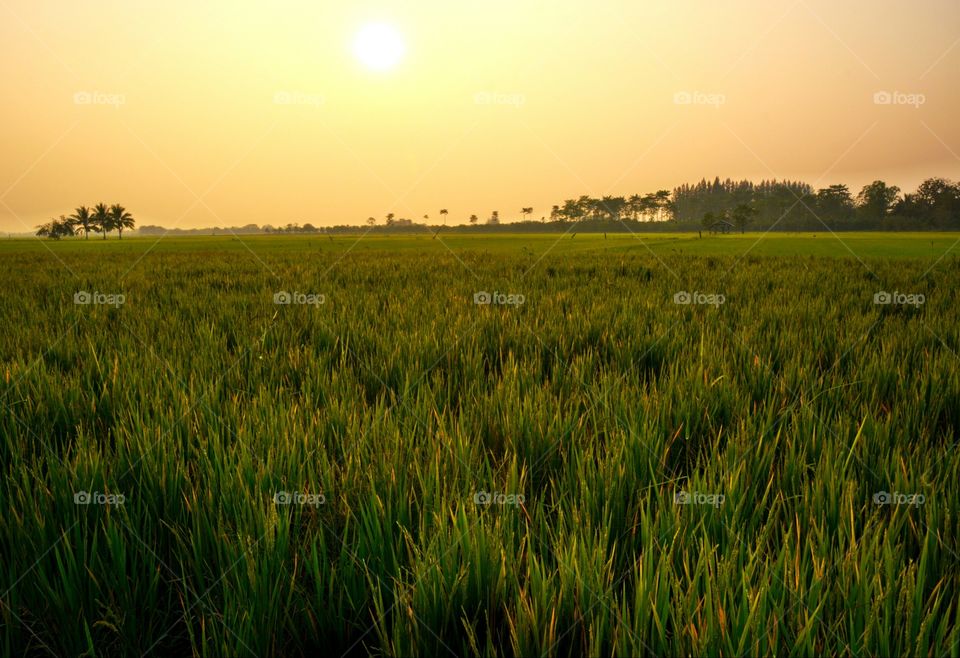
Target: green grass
[
  {"x": 398, "y": 399},
  {"x": 848, "y": 245}
]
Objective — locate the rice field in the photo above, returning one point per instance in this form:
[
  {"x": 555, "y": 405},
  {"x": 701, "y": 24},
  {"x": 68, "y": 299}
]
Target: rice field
[{"x": 480, "y": 446}]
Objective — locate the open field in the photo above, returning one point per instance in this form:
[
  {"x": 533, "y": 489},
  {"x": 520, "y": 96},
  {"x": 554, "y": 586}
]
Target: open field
[
  {"x": 861, "y": 244},
  {"x": 596, "y": 468}
]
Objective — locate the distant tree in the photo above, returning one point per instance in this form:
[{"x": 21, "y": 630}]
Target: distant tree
[
  {"x": 876, "y": 201},
  {"x": 938, "y": 201},
  {"x": 741, "y": 215},
  {"x": 555, "y": 214},
  {"x": 589, "y": 207},
  {"x": 494, "y": 218},
  {"x": 708, "y": 219},
  {"x": 101, "y": 218},
  {"x": 309, "y": 228},
  {"x": 45, "y": 230},
  {"x": 834, "y": 205},
  {"x": 526, "y": 212},
  {"x": 474, "y": 219},
  {"x": 662, "y": 204},
  {"x": 120, "y": 219},
  {"x": 572, "y": 210},
  {"x": 390, "y": 217},
  {"x": 649, "y": 206},
  {"x": 83, "y": 218},
  {"x": 371, "y": 221},
  {"x": 613, "y": 206},
  {"x": 444, "y": 213},
  {"x": 56, "y": 228}
]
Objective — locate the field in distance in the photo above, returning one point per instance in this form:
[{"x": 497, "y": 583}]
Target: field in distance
[{"x": 851, "y": 244}]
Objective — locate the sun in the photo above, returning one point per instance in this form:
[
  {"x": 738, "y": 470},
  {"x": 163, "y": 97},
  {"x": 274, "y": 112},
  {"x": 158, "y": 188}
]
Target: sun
[{"x": 379, "y": 46}]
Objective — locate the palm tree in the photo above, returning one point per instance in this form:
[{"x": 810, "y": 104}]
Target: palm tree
[
  {"x": 444, "y": 213},
  {"x": 526, "y": 211},
  {"x": 473, "y": 219},
  {"x": 81, "y": 217},
  {"x": 101, "y": 219},
  {"x": 120, "y": 219}
]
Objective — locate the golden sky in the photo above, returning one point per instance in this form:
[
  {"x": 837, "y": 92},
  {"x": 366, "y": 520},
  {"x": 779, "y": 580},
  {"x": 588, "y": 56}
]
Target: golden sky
[{"x": 221, "y": 113}]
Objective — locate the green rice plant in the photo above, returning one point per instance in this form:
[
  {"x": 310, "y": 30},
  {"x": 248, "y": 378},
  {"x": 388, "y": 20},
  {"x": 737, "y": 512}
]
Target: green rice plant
[{"x": 398, "y": 470}]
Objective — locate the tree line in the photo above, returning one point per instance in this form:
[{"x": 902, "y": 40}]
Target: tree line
[
  {"x": 783, "y": 204},
  {"x": 796, "y": 206},
  {"x": 770, "y": 204},
  {"x": 99, "y": 219}
]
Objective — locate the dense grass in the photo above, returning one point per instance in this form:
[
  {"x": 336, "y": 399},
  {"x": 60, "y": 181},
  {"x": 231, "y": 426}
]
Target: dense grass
[{"x": 598, "y": 400}]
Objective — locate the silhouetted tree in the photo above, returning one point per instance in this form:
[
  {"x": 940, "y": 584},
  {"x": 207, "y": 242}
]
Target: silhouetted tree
[
  {"x": 84, "y": 219},
  {"x": 834, "y": 205},
  {"x": 741, "y": 215},
  {"x": 120, "y": 219},
  {"x": 101, "y": 218},
  {"x": 56, "y": 228},
  {"x": 876, "y": 201}
]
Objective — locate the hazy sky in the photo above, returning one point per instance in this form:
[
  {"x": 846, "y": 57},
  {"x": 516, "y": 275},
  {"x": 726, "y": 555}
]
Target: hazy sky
[{"x": 222, "y": 113}]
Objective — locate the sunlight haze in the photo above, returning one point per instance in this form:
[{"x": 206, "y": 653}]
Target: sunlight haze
[{"x": 223, "y": 114}]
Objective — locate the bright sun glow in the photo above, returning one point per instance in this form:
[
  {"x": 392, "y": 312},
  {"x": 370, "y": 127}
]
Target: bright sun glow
[{"x": 379, "y": 46}]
